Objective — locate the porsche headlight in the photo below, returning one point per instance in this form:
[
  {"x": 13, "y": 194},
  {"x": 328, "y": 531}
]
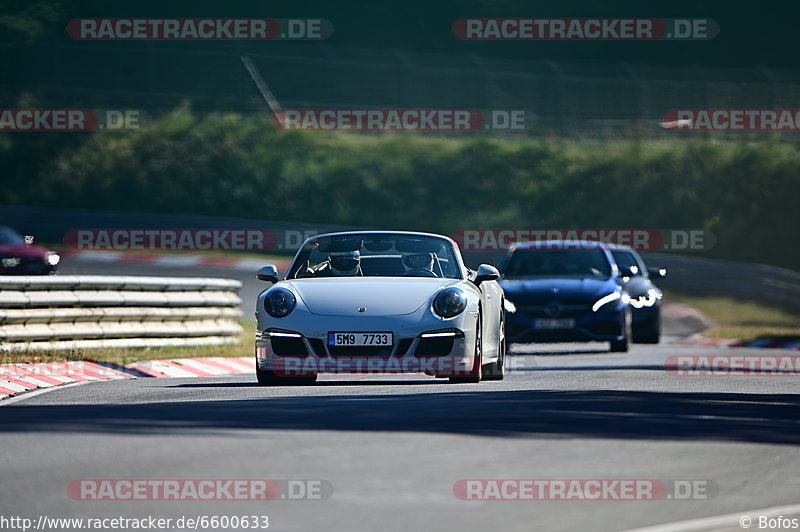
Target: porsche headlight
[
  {"x": 279, "y": 302},
  {"x": 449, "y": 302},
  {"x": 609, "y": 300}
]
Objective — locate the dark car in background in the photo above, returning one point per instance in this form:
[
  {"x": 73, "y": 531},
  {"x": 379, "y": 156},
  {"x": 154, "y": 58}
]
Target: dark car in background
[
  {"x": 19, "y": 256},
  {"x": 565, "y": 291},
  {"x": 645, "y": 297}
]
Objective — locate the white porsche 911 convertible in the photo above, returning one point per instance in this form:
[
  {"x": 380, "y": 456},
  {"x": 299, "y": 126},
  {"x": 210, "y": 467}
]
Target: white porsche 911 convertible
[{"x": 380, "y": 302}]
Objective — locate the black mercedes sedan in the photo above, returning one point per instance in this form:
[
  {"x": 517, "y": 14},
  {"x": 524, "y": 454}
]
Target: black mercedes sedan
[{"x": 645, "y": 297}]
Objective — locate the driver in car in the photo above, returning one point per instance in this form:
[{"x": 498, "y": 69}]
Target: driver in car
[
  {"x": 341, "y": 264},
  {"x": 420, "y": 264}
]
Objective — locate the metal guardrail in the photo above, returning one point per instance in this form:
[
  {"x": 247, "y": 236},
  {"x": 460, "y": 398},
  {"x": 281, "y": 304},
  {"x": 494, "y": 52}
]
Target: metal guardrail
[
  {"x": 86, "y": 311},
  {"x": 769, "y": 285}
]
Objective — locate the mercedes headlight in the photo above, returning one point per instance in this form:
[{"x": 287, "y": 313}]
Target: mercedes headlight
[
  {"x": 606, "y": 302},
  {"x": 449, "y": 302},
  {"x": 646, "y": 300},
  {"x": 279, "y": 302}
]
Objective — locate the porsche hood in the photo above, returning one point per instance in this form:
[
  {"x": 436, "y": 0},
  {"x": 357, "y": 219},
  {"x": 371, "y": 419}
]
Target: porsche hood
[{"x": 380, "y": 296}]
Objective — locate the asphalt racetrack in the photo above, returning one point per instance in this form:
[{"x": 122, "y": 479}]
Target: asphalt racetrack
[{"x": 391, "y": 449}]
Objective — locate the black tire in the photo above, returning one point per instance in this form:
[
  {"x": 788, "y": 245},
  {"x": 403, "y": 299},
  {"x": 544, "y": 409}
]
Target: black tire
[
  {"x": 496, "y": 371},
  {"x": 622, "y": 346},
  {"x": 650, "y": 333},
  {"x": 266, "y": 377},
  {"x": 476, "y": 374}
]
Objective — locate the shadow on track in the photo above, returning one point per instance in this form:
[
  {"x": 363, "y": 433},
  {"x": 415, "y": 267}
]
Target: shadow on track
[
  {"x": 320, "y": 383},
  {"x": 773, "y": 418},
  {"x": 542, "y": 350},
  {"x": 643, "y": 367}
]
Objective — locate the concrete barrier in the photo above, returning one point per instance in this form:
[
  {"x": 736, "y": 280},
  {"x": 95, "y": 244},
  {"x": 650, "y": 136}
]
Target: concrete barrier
[{"x": 86, "y": 311}]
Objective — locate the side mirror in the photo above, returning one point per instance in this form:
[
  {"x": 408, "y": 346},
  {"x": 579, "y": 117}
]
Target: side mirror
[
  {"x": 486, "y": 272},
  {"x": 657, "y": 272},
  {"x": 628, "y": 271},
  {"x": 268, "y": 273}
]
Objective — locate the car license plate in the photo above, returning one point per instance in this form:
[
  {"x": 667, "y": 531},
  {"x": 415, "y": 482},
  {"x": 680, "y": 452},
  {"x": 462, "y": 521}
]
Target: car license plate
[
  {"x": 359, "y": 339},
  {"x": 555, "y": 323}
]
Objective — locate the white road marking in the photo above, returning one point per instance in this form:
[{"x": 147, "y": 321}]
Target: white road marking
[
  {"x": 722, "y": 522},
  {"x": 34, "y": 393}
]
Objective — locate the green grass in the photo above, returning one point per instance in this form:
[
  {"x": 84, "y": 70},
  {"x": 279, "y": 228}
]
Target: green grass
[
  {"x": 741, "y": 319},
  {"x": 127, "y": 356}
]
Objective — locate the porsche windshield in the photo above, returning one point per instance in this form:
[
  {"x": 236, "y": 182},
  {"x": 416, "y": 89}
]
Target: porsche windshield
[
  {"x": 376, "y": 255},
  {"x": 558, "y": 263}
]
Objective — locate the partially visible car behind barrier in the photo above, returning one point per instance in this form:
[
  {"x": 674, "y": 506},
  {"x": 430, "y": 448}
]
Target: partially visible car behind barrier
[
  {"x": 89, "y": 311},
  {"x": 20, "y": 256}
]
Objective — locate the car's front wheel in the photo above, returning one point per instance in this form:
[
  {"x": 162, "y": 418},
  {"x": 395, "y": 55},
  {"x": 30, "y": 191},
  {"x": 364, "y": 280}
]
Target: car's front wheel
[
  {"x": 495, "y": 371},
  {"x": 476, "y": 374},
  {"x": 650, "y": 332},
  {"x": 266, "y": 377},
  {"x": 622, "y": 346}
]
